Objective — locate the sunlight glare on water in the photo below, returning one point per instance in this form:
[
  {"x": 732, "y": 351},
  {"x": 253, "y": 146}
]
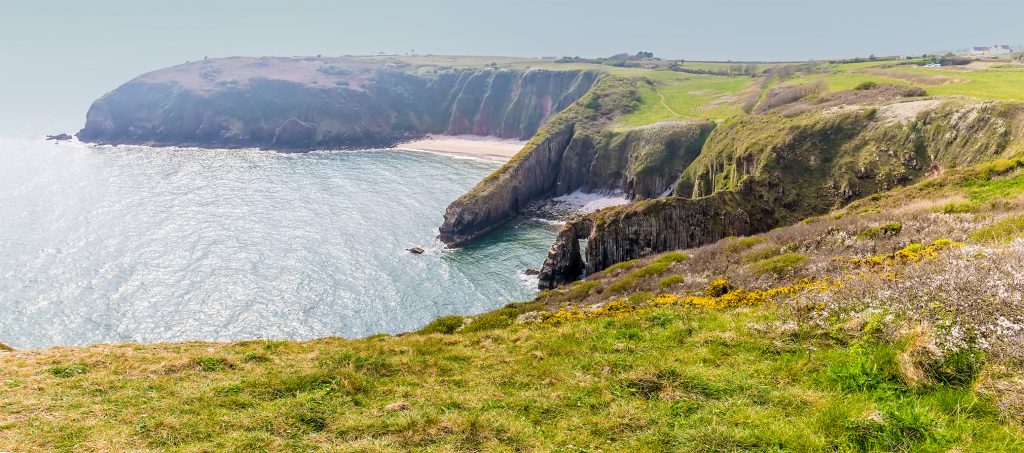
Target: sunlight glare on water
[{"x": 117, "y": 244}]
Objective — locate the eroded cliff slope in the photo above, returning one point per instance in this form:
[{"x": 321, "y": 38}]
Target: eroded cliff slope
[
  {"x": 580, "y": 149},
  {"x": 760, "y": 171}
]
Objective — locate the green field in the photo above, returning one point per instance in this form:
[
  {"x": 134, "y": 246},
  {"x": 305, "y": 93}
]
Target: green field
[{"x": 672, "y": 95}]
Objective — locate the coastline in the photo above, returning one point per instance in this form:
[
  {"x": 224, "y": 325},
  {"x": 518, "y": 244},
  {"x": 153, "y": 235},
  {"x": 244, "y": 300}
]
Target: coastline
[{"x": 466, "y": 145}]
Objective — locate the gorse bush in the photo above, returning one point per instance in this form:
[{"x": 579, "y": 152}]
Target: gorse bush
[{"x": 868, "y": 85}]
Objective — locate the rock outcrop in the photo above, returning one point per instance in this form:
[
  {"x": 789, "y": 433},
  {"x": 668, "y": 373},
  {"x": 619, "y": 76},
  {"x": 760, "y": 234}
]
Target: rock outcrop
[{"x": 301, "y": 104}]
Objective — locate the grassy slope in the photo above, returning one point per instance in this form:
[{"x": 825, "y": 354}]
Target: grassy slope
[
  {"x": 666, "y": 372},
  {"x": 676, "y": 378}
]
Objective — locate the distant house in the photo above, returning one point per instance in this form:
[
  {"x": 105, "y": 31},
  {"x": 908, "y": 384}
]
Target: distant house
[{"x": 996, "y": 50}]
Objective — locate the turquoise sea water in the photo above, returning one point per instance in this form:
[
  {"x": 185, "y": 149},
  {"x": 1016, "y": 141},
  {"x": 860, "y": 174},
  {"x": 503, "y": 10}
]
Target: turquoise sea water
[{"x": 135, "y": 244}]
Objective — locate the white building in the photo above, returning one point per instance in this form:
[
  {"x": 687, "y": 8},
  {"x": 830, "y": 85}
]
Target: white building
[{"x": 996, "y": 50}]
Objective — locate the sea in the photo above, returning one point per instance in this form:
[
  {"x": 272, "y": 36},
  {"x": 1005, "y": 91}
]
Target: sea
[{"x": 113, "y": 244}]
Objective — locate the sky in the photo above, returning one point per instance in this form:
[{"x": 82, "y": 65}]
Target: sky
[{"x": 60, "y": 56}]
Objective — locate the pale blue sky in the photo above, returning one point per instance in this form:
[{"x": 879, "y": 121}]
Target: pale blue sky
[{"x": 59, "y": 56}]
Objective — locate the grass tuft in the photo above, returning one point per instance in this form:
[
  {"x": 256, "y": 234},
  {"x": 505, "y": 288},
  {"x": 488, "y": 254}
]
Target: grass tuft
[
  {"x": 444, "y": 325},
  {"x": 1005, "y": 230}
]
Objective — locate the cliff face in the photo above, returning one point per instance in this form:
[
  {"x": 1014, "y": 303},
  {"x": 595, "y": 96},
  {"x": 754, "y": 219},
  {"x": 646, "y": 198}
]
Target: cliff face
[
  {"x": 303, "y": 104},
  {"x": 640, "y": 163},
  {"x": 577, "y": 150},
  {"x": 758, "y": 172}
]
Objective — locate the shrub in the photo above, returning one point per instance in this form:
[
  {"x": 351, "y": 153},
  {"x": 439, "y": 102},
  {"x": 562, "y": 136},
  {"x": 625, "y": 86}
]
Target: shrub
[
  {"x": 885, "y": 230},
  {"x": 620, "y": 266},
  {"x": 718, "y": 288},
  {"x": 673, "y": 257},
  {"x": 580, "y": 289},
  {"x": 66, "y": 371},
  {"x": 1005, "y": 230},
  {"x": 640, "y": 299},
  {"x": 960, "y": 207},
  {"x": 866, "y": 85},
  {"x": 623, "y": 285},
  {"x": 445, "y": 325},
  {"x": 741, "y": 244},
  {"x": 493, "y": 320},
  {"x": 651, "y": 270},
  {"x": 760, "y": 254},
  {"x": 779, "y": 264},
  {"x": 671, "y": 280},
  {"x": 786, "y": 94}
]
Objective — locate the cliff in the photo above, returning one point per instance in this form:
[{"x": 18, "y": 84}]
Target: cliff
[
  {"x": 761, "y": 171},
  {"x": 325, "y": 103},
  {"x": 580, "y": 150}
]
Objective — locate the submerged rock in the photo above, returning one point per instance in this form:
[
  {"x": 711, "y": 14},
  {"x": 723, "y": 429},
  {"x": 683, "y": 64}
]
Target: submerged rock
[
  {"x": 59, "y": 137},
  {"x": 415, "y": 250}
]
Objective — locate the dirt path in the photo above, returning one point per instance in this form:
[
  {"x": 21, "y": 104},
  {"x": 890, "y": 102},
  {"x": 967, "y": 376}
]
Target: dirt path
[{"x": 663, "y": 104}]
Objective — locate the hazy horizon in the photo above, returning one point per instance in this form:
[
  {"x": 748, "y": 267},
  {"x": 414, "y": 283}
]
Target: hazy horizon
[{"x": 60, "y": 57}]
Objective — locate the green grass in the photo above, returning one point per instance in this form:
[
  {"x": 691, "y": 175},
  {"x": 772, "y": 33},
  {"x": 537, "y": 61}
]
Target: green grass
[
  {"x": 779, "y": 265},
  {"x": 687, "y": 96},
  {"x": 980, "y": 191},
  {"x": 675, "y": 379},
  {"x": 491, "y": 320},
  {"x": 993, "y": 83},
  {"x": 737, "y": 245},
  {"x": 444, "y": 324},
  {"x": 760, "y": 254},
  {"x": 1004, "y": 230},
  {"x": 885, "y": 229}
]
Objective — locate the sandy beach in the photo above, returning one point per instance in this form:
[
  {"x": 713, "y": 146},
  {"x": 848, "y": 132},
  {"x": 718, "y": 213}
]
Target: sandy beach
[{"x": 486, "y": 147}]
